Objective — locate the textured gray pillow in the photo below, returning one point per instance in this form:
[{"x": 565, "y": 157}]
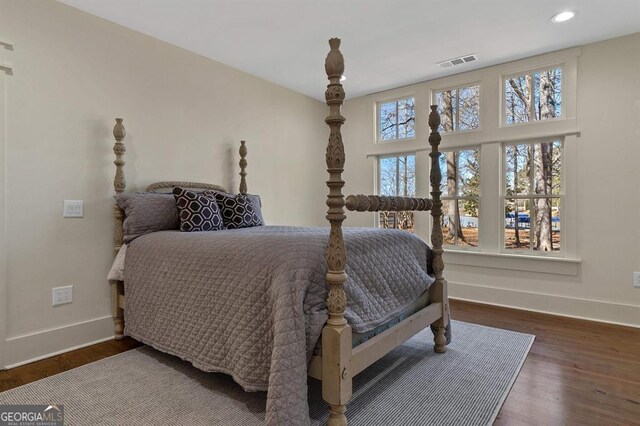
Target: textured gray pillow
[
  {"x": 257, "y": 206},
  {"x": 147, "y": 212}
]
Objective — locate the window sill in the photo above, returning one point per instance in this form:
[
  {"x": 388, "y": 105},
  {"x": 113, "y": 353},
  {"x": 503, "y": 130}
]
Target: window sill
[
  {"x": 514, "y": 262},
  {"x": 525, "y": 132},
  {"x": 398, "y": 147},
  {"x": 386, "y": 141}
]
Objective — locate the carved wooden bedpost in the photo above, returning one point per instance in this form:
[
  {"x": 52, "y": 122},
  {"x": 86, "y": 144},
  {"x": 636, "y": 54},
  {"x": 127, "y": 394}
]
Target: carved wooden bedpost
[
  {"x": 438, "y": 291},
  {"x": 119, "y": 184},
  {"x": 336, "y": 363},
  {"x": 243, "y": 166}
]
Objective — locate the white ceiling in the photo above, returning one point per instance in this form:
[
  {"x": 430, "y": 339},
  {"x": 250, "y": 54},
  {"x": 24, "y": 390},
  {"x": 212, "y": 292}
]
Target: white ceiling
[{"x": 386, "y": 43}]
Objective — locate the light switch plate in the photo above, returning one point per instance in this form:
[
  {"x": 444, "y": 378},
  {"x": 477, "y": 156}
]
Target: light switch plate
[
  {"x": 73, "y": 208},
  {"x": 636, "y": 279}
]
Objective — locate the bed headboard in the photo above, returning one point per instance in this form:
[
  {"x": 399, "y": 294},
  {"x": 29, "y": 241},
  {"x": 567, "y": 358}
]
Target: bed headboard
[
  {"x": 120, "y": 184},
  {"x": 169, "y": 185}
]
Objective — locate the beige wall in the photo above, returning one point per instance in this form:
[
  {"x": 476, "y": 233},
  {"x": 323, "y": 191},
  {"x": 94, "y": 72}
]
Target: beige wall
[
  {"x": 605, "y": 194},
  {"x": 184, "y": 114}
]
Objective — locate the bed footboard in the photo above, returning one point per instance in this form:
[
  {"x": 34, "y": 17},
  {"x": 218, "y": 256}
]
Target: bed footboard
[
  {"x": 339, "y": 363},
  {"x": 381, "y": 203},
  {"x": 336, "y": 335},
  {"x": 438, "y": 291},
  {"x": 117, "y": 309}
]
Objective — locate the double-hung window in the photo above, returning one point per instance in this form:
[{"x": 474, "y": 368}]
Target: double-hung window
[{"x": 396, "y": 173}]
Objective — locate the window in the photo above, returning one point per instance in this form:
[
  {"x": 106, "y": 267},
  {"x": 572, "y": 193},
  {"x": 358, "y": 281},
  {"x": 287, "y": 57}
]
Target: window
[
  {"x": 533, "y": 193},
  {"x": 533, "y": 96},
  {"x": 396, "y": 119},
  {"x": 397, "y": 176},
  {"x": 460, "y": 186},
  {"x": 459, "y": 108},
  {"x": 508, "y": 161}
]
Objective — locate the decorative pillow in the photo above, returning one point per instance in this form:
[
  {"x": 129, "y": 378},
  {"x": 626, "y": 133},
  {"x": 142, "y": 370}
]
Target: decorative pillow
[
  {"x": 147, "y": 212},
  {"x": 238, "y": 211},
  {"x": 257, "y": 206},
  {"x": 197, "y": 211}
]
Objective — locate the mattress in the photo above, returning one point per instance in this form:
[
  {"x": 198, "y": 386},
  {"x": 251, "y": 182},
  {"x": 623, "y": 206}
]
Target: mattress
[{"x": 360, "y": 338}]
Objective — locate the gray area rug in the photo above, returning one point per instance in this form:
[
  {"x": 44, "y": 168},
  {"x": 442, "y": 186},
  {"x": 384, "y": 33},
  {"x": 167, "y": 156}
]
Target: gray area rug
[{"x": 410, "y": 386}]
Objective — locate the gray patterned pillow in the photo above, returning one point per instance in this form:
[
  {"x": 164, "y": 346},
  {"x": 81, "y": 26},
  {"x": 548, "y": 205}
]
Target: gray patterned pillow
[
  {"x": 257, "y": 207},
  {"x": 238, "y": 211},
  {"x": 198, "y": 212},
  {"x": 147, "y": 212}
]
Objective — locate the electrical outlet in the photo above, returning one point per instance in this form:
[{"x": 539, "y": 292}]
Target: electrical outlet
[
  {"x": 73, "y": 208},
  {"x": 636, "y": 279},
  {"x": 62, "y": 295}
]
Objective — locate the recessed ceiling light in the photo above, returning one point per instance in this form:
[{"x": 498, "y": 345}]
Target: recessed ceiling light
[
  {"x": 343, "y": 78},
  {"x": 562, "y": 16}
]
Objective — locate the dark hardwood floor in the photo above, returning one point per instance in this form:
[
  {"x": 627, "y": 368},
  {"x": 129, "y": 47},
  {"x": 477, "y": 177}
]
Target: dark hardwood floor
[
  {"x": 57, "y": 364},
  {"x": 577, "y": 373}
]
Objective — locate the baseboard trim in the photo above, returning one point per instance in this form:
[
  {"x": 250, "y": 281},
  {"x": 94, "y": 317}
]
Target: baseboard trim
[
  {"x": 585, "y": 309},
  {"x": 27, "y": 348}
]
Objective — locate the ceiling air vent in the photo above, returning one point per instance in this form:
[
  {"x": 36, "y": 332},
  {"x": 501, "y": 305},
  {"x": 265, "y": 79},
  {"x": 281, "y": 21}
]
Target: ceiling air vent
[{"x": 457, "y": 61}]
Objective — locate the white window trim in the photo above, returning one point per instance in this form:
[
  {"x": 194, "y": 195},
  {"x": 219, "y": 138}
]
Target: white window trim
[
  {"x": 377, "y": 119},
  {"x": 531, "y": 71},
  {"x": 514, "y": 262},
  {"x": 435, "y": 90}
]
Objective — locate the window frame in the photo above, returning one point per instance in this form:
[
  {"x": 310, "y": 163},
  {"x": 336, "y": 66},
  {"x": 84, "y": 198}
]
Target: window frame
[
  {"x": 561, "y": 253},
  {"x": 490, "y": 136},
  {"x": 377, "y": 119},
  {"x": 443, "y": 198},
  {"x": 530, "y": 71},
  {"x": 432, "y": 99}
]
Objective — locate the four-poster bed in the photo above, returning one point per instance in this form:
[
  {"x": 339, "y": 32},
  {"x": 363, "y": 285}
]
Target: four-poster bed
[{"x": 339, "y": 358}]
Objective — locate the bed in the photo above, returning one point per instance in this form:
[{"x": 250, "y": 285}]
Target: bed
[{"x": 272, "y": 305}]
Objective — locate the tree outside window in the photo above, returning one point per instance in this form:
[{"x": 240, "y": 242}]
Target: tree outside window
[
  {"x": 533, "y": 196},
  {"x": 397, "y": 177},
  {"x": 396, "y": 119},
  {"x": 459, "y": 108},
  {"x": 460, "y": 186},
  {"x": 533, "y": 96}
]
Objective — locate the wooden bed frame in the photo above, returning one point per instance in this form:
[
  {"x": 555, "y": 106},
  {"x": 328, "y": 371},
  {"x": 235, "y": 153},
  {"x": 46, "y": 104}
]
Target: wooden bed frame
[{"x": 339, "y": 362}]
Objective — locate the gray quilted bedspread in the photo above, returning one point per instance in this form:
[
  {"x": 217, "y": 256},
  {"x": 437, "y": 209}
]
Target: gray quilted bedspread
[{"x": 251, "y": 302}]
